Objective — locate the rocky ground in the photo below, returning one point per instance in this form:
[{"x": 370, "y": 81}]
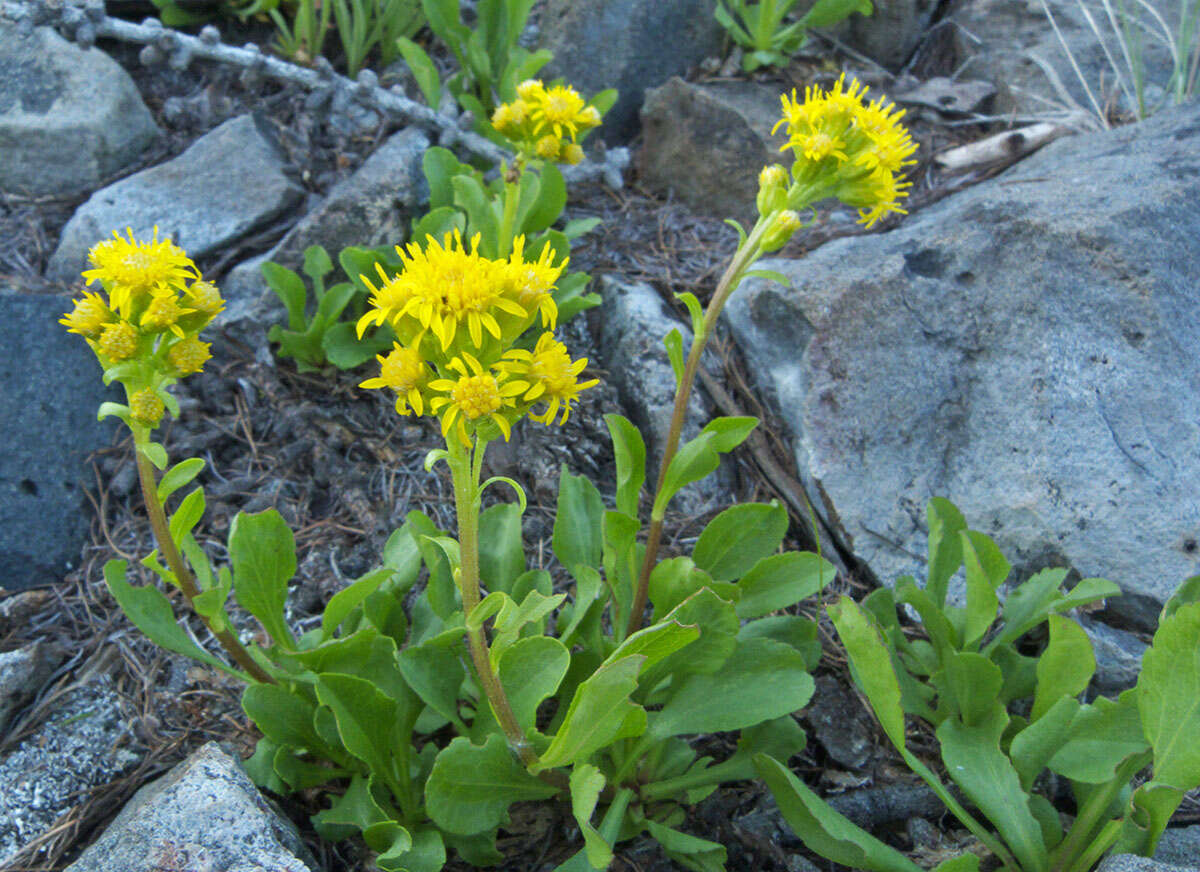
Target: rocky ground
[{"x": 343, "y": 469}]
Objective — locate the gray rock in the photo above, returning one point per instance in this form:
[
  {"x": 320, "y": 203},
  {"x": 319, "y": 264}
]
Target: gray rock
[
  {"x": 707, "y": 143},
  {"x": 203, "y": 814},
  {"x": 892, "y": 31},
  {"x": 1118, "y": 657},
  {"x": 633, "y": 321},
  {"x": 840, "y": 723},
  {"x": 630, "y": 45},
  {"x": 69, "y": 117},
  {"x": 50, "y": 389},
  {"x": 372, "y": 207},
  {"x": 53, "y": 770},
  {"x": 1134, "y": 863},
  {"x": 1179, "y": 847},
  {"x": 22, "y": 674},
  {"x": 998, "y": 40},
  {"x": 1028, "y": 348},
  {"x": 229, "y": 182}
]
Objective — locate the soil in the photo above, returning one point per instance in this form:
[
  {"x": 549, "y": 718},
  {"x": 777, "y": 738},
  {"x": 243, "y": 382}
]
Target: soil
[{"x": 344, "y": 470}]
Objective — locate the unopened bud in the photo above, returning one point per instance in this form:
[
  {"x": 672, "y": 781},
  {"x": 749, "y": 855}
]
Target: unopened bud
[
  {"x": 784, "y": 224},
  {"x": 772, "y": 189},
  {"x": 146, "y": 406}
]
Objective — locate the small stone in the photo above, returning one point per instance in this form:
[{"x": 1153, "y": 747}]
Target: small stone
[
  {"x": 22, "y": 674},
  {"x": 840, "y": 723}
]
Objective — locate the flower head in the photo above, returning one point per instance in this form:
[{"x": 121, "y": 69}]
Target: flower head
[
  {"x": 551, "y": 375},
  {"x": 130, "y": 270},
  {"x": 89, "y": 316},
  {"x": 162, "y": 313},
  {"x": 546, "y": 122},
  {"x": 146, "y": 406},
  {"x": 851, "y": 149},
  {"x": 188, "y": 355},
  {"x": 406, "y": 373},
  {"x": 118, "y": 341},
  {"x": 474, "y": 396}
]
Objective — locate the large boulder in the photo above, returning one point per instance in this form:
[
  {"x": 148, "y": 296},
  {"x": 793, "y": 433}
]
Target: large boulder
[
  {"x": 630, "y": 45},
  {"x": 50, "y": 389},
  {"x": 1028, "y": 348},
  {"x": 707, "y": 143},
  {"x": 230, "y": 182},
  {"x": 203, "y": 814},
  {"x": 69, "y": 117}
]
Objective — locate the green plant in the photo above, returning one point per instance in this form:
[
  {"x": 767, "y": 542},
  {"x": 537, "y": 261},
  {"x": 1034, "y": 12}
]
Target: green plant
[
  {"x": 320, "y": 338},
  {"x": 490, "y": 62},
  {"x": 361, "y": 26},
  {"x": 173, "y": 14},
  {"x": 453, "y": 681},
  {"x": 1128, "y": 24},
  {"x": 968, "y": 679},
  {"x": 760, "y": 30}
]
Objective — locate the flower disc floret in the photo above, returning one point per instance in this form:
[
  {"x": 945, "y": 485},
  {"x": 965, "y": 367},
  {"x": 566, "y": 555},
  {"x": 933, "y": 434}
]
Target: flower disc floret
[
  {"x": 89, "y": 316},
  {"x": 130, "y": 269},
  {"x": 404, "y": 372},
  {"x": 189, "y": 355},
  {"x": 118, "y": 341}
]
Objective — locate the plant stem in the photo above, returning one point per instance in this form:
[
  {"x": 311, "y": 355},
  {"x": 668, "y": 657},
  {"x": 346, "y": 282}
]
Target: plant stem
[
  {"x": 183, "y": 575},
  {"x": 746, "y": 254},
  {"x": 1079, "y": 837},
  {"x": 465, "y": 470}
]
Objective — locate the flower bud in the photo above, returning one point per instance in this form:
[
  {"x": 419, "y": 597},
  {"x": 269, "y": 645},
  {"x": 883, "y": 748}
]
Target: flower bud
[
  {"x": 548, "y": 147},
  {"x": 118, "y": 341},
  {"x": 772, "y": 189},
  {"x": 784, "y": 224},
  {"x": 188, "y": 355},
  {"x": 146, "y": 407},
  {"x": 572, "y": 154}
]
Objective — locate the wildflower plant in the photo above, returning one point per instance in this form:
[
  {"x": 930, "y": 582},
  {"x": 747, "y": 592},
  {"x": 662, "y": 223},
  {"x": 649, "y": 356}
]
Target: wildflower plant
[
  {"x": 760, "y": 30},
  {"x": 587, "y": 693}
]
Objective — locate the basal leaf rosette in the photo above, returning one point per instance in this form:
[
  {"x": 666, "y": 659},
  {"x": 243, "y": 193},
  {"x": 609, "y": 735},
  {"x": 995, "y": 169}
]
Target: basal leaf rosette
[
  {"x": 458, "y": 318},
  {"x": 844, "y": 147},
  {"x": 144, "y": 324},
  {"x": 546, "y": 122}
]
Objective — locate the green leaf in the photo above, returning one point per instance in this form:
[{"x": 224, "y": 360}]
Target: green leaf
[
  {"x": 530, "y": 671},
  {"x": 501, "y": 551},
  {"x": 402, "y": 555},
  {"x": 177, "y": 476},
  {"x": 471, "y": 786},
  {"x": 718, "y": 624},
  {"x": 284, "y": 717},
  {"x": 344, "y": 601},
  {"x": 550, "y": 201},
  {"x": 434, "y": 670},
  {"x": 353, "y": 812},
  {"x": 1169, "y": 698},
  {"x": 945, "y": 546},
  {"x": 760, "y": 681},
  {"x": 799, "y": 632},
  {"x": 985, "y": 564},
  {"x": 586, "y": 784},
  {"x": 1103, "y": 735},
  {"x": 423, "y": 70},
  {"x": 969, "y": 685},
  {"x": 393, "y": 843},
  {"x": 343, "y": 348},
  {"x": 481, "y": 214},
  {"x": 290, "y": 289},
  {"x": 1150, "y": 809},
  {"x": 1187, "y": 592},
  {"x": 300, "y": 774},
  {"x": 317, "y": 264},
  {"x": 263, "y": 553},
  {"x": 826, "y": 13},
  {"x": 151, "y": 613},
  {"x": 600, "y": 713},
  {"x": 699, "y": 855},
  {"x": 629, "y": 450},
  {"x": 440, "y": 591},
  {"x": 1065, "y": 667},
  {"x": 366, "y": 721},
  {"x": 674, "y": 580},
  {"x": 782, "y": 580},
  {"x": 695, "y": 311},
  {"x": 738, "y": 538},
  {"x": 655, "y": 642},
  {"x": 871, "y": 666},
  {"x": 189, "y": 513},
  {"x": 977, "y": 765},
  {"x": 673, "y": 342},
  {"x": 577, "y": 525},
  {"x": 823, "y": 830},
  {"x": 1033, "y": 747},
  {"x": 730, "y": 432},
  {"x": 1029, "y": 604}
]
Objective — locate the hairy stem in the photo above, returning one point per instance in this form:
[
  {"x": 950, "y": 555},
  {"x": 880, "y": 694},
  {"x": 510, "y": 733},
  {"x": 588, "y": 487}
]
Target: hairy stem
[{"x": 170, "y": 552}]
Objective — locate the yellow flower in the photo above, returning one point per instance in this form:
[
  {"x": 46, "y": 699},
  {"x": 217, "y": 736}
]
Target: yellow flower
[
  {"x": 572, "y": 154},
  {"x": 772, "y": 189},
  {"x": 204, "y": 297},
  {"x": 162, "y": 313},
  {"x": 476, "y": 394},
  {"x": 786, "y": 223},
  {"x": 88, "y": 317},
  {"x": 548, "y": 147},
  {"x": 531, "y": 89},
  {"x": 444, "y": 289},
  {"x": 508, "y": 117},
  {"x": 146, "y": 406},
  {"x": 551, "y": 375},
  {"x": 188, "y": 355},
  {"x": 403, "y": 371},
  {"x": 857, "y": 149},
  {"x": 530, "y": 282},
  {"x": 560, "y": 110},
  {"x": 130, "y": 269},
  {"x": 118, "y": 341}
]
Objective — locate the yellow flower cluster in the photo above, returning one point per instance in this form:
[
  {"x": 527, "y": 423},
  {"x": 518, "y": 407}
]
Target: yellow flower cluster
[
  {"x": 546, "y": 122},
  {"x": 458, "y": 317},
  {"x": 855, "y": 149},
  {"x": 153, "y": 306}
]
